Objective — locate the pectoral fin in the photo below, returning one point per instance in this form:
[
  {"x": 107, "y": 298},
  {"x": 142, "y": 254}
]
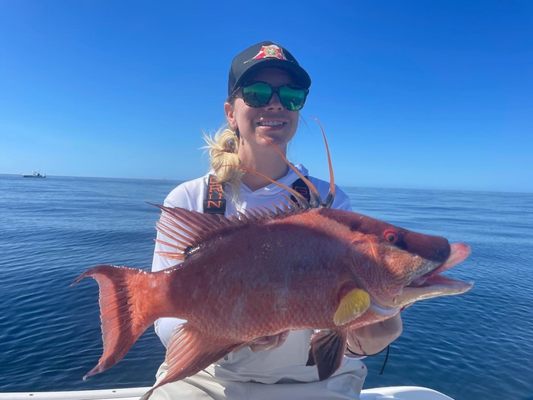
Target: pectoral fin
[
  {"x": 352, "y": 305},
  {"x": 327, "y": 350}
]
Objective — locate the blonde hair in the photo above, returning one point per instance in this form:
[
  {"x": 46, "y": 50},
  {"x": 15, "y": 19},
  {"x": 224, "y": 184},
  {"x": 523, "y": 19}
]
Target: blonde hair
[{"x": 223, "y": 148}]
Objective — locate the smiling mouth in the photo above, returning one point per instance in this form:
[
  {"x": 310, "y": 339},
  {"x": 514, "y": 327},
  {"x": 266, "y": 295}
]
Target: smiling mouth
[{"x": 271, "y": 123}]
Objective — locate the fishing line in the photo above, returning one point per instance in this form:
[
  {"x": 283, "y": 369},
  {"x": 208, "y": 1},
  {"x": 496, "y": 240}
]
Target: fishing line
[
  {"x": 385, "y": 361},
  {"x": 367, "y": 355}
]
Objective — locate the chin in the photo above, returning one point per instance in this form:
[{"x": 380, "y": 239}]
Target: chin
[{"x": 280, "y": 138}]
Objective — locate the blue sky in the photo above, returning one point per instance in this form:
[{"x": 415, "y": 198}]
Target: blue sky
[{"x": 411, "y": 93}]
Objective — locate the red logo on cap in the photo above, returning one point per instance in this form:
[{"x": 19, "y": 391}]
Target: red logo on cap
[{"x": 270, "y": 51}]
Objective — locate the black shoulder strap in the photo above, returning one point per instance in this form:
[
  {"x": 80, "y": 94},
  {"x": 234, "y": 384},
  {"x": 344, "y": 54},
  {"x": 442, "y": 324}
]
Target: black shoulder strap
[
  {"x": 300, "y": 186},
  {"x": 215, "y": 201}
]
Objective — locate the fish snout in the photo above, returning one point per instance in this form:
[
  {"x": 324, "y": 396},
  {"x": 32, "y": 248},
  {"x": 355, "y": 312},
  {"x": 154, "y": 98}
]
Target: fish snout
[
  {"x": 458, "y": 253},
  {"x": 432, "y": 248}
]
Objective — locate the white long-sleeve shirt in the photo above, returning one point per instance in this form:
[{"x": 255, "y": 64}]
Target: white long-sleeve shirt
[{"x": 286, "y": 362}]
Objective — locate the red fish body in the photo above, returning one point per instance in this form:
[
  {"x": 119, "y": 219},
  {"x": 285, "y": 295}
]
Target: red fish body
[{"x": 270, "y": 272}]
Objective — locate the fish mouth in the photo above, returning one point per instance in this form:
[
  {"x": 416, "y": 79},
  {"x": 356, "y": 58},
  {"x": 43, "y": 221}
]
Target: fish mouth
[
  {"x": 430, "y": 284},
  {"x": 433, "y": 284}
]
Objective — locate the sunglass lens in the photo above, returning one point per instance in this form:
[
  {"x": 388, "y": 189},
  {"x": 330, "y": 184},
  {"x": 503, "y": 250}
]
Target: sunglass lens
[
  {"x": 293, "y": 99},
  {"x": 257, "y": 94}
]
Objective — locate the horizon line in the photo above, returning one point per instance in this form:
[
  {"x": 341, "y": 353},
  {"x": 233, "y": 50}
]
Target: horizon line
[{"x": 342, "y": 186}]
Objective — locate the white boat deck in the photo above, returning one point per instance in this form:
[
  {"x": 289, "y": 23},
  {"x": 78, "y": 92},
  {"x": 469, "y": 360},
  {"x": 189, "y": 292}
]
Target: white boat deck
[{"x": 384, "y": 393}]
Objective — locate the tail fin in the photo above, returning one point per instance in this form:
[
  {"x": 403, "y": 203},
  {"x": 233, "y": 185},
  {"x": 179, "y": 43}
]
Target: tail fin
[{"x": 124, "y": 310}]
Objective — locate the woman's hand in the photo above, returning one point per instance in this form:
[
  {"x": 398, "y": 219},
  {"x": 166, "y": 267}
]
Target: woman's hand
[
  {"x": 373, "y": 338},
  {"x": 268, "y": 342}
]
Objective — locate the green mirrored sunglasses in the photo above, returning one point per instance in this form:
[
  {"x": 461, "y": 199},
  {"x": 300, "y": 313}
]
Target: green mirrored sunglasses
[{"x": 259, "y": 94}]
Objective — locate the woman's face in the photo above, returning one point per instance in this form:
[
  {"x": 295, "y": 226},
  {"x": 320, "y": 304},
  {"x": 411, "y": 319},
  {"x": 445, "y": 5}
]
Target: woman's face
[{"x": 264, "y": 125}]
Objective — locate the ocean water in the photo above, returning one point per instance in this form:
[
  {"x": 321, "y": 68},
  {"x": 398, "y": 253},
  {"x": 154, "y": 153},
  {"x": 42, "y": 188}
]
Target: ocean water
[{"x": 475, "y": 346}]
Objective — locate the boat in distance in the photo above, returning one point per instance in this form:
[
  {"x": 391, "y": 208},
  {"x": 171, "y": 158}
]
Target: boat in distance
[{"x": 34, "y": 174}]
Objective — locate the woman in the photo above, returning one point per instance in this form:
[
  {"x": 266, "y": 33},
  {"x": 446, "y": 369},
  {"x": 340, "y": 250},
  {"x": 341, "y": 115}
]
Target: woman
[{"x": 266, "y": 89}]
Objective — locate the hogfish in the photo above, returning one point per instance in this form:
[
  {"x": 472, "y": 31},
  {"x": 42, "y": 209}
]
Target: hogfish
[{"x": 266, "y": 272}]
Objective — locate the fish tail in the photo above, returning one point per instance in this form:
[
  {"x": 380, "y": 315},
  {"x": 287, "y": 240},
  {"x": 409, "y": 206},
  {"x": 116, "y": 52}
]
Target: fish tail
[{"x": 125, "y": 310}]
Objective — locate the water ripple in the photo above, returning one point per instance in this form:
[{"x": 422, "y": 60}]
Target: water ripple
[{"x": 476, "y": 346}]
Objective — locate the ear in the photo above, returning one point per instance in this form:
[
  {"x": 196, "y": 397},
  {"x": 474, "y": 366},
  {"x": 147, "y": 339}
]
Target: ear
[{"x": 230, "y": 115}]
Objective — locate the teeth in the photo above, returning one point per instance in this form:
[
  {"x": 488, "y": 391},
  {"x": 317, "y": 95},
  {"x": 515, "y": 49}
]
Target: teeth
[{"x": 270, "y": 123}]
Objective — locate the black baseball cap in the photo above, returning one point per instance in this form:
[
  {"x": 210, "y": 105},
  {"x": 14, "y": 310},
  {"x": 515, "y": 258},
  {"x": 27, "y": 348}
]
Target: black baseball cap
[{"x": 262, "y": 55}]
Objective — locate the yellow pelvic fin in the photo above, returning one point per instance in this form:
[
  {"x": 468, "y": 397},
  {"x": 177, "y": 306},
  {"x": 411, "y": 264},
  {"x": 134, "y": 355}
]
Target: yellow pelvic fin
[{"x": 353, "y": 304}]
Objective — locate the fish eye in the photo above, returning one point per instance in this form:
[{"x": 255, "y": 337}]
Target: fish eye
[{"x": 390, "y": 236}]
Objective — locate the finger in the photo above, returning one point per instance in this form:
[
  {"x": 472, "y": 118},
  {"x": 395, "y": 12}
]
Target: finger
[
  {"x": 282, "y": 337},
  {"x": 374, "y": 338},
  {"x": 269, "y": 342}
]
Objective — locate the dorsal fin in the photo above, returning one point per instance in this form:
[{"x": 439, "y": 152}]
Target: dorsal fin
[
  {"x": 186, "y": 230},
  {"x": 315, "y": 200},
  {"x": 331, "y": 193},
  {"x": 300, "y": 202}
]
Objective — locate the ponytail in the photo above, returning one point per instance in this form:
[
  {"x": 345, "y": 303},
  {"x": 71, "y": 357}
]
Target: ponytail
[{"x": 223, "y": 148}]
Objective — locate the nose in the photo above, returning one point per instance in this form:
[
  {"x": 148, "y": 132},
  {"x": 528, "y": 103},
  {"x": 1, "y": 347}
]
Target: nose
[{"x": 274, "y": 103}]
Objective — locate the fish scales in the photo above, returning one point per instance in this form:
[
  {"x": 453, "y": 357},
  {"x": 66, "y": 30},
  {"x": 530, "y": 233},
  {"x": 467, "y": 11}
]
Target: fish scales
[
  {"x": 323, "y": 269},
  {"x": 293, "y": 281}
]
